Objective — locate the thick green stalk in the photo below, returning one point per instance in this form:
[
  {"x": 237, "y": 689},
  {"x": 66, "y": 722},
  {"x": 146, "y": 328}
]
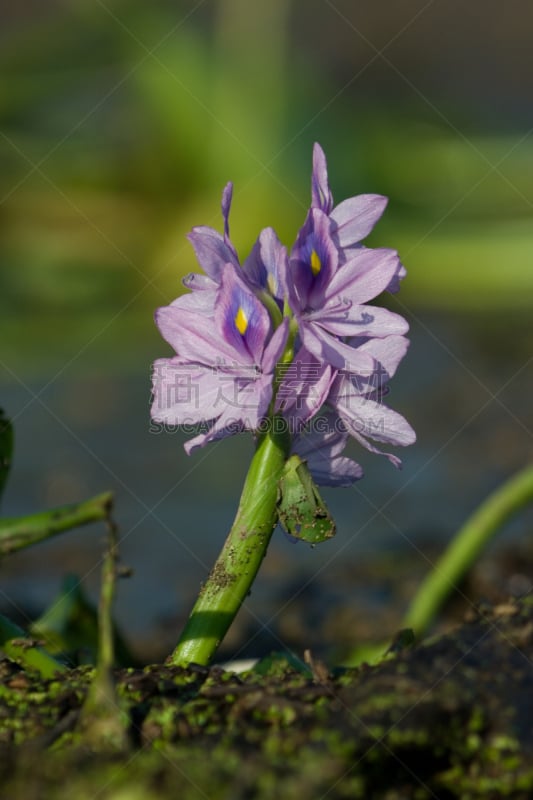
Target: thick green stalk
[
  {"x": 466, "y": 547},
  {"x": 19, "y": 532},
  {"x": 232, "y": 576}
]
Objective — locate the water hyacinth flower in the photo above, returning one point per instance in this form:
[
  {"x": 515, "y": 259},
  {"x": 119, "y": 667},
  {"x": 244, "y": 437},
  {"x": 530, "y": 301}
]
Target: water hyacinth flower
[
  {"x": 229, "y": 332},
  {"x": 223, "y": 373},
  {"x": 353, "y": 219},
  {"x": 285, "y": 344}
]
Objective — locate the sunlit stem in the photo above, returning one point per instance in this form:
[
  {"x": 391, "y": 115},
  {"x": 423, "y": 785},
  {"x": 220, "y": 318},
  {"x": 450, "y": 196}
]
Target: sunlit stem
[
  {"x": 457, "y": 559},
  {"x": 465, "y": 548},
  {"x": 233, "y": 574},
  {"x": 272, "y": 308}
]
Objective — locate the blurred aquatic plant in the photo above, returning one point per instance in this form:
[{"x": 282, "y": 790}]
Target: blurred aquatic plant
[{"x": 18, "y": 533}]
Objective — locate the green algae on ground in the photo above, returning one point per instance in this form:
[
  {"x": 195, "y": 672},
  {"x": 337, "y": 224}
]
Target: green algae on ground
[{"x": 449, "y": 719}]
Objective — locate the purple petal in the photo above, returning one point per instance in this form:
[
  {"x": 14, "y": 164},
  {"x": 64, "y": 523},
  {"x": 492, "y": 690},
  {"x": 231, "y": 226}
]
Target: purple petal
[
  {"x": 247, "y": 408},
  {"x": 321, "y": 445},
  {"x": 218, "y": 430},
  {"x": 227, "y": 195},
  {"x": 241, "y": 319},
  {"x": 338, "y": 471},
  {"x": 212, "y": 251},
  {"x": 364, "y": 276},
  {"x": 388, "y": 352},
  {"x": 394, "y": 285},
  {"x": 197, "y": 282},
  {"x": 266, "y": 266},
  {"x": 320, "y": 191},
  {"x": 192, "y": 339},
  {"x": 184, "y": 393},
  {"x": 354, "y": 218},
  {"x": 304, "y": 386},
  {"x": 360, "y": 321},
  {"x": 275, "y": 347},
  {"x": 314, "y": 260},
  {"x": 201, "y": 302},
  {"x": 367, "y": 418},
  {"x": 328, "y": 348}
]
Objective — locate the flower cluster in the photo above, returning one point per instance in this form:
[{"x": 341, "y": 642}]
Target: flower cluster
[{"x": 289, "y": 335}]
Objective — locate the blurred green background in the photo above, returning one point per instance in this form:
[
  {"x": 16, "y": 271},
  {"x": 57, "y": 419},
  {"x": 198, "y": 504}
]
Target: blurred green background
[{"x": 120, "y": 123}]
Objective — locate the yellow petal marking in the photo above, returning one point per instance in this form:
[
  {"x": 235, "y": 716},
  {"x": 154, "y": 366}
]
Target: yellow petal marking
[
  {"x": 316, "y": 264},
  {"x": 241, "y": 322}
]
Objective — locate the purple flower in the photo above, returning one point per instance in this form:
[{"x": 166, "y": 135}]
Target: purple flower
[
  {"x": 291, "y": 334},
  {"x": 266, "y": 266},
  {"x": 353, "y": 219},
  {"x": 212, "y": 250},
  {"x": 304, "y": 385},
  {"x": 356, "y": 399},
  {"x": 329, "y": 299},
  {"x": 321, "y": 445},
  {"x": 223, "y": 372}
]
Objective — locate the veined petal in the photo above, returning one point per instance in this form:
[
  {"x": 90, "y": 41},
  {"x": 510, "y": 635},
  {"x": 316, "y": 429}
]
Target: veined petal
[
  {"x": 212, "y": 251},
  {"x": 219, "y": 429},
  {"x": 354, "y": 218},
  {"x": 388, "y": 352},
  {"x": 227, "y": 194},
  {"x": 193, "y": 340},
  {"x": 321, "y": 446},
  {"x": 366, "y": 418},
  {"x": 364, "y": 276},
  {"x": 394, "y": 285},
  {"x": 275, "y": 347},
  {"x": 184, "y": 393},
  {"x": 201, "y": 301},
  {"x": 266, "y": 266},
  {"x": 327, "y": 430},
  {"x": 304, "y": 386},
  {"x": 331, "y": 350},
  {"x": 249, "y": 407},
  {"x": 320, "y": 192},
  {"x": 197, "y": 282},
  {"x": 241, "y": 319},
  {"x": 337, "y": 471},
  {"x": 314, "y": 260},
  {"x": 361, "y": 321}
]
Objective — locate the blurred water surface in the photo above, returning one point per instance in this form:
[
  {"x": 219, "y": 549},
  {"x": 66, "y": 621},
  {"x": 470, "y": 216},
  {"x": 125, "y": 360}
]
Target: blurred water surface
[{"x": 464, "y": 385}]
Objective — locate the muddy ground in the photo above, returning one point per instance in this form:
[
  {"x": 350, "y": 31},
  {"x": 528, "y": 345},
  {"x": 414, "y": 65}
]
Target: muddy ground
[{"x": 451, "y": 718}]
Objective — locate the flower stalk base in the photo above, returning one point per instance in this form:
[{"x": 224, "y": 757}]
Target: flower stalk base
[{"x": 233, "y": 574}]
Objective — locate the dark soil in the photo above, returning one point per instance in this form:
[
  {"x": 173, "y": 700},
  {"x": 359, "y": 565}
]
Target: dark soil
[{"x": 451, "y": 718}]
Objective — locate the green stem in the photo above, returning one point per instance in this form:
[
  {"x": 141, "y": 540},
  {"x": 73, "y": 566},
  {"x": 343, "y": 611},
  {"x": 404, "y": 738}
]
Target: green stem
[
  {"x": 233, "y": 574},
  {"x": 19, "y": 532},
  {"x": 468, "y": 543},
  {"x": 459, "y": 557},
  {"x": 103, "y": 721},
  {"x": 19, "y": 647}
]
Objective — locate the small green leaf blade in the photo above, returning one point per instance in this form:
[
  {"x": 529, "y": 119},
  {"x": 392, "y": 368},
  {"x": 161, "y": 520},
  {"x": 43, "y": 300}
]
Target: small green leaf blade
[{"x": 302, "y": 513}]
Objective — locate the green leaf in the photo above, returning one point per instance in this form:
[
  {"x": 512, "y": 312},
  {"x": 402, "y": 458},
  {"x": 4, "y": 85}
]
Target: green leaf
[
  {"x": 302, "y": 512},
  {"x": 6, "y": 448},
  {"x": 69, "y": 627}
]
